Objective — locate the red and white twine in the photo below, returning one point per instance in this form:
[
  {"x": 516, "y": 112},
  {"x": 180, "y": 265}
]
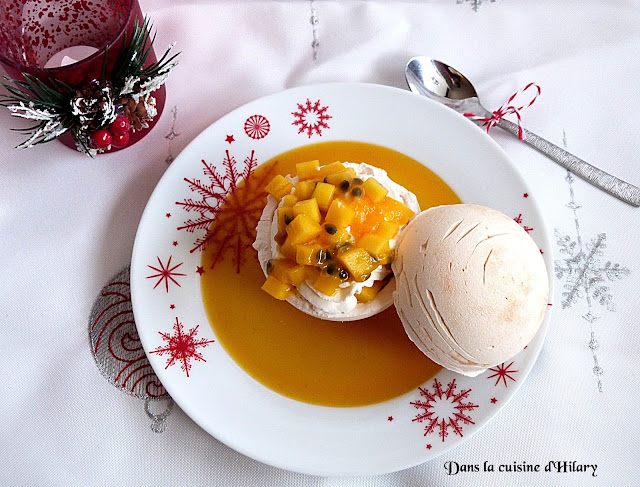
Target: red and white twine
[{"x": 507, "y": 109}]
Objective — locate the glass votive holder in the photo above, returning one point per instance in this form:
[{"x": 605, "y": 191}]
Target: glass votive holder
[{"x": 79, "y": 43}]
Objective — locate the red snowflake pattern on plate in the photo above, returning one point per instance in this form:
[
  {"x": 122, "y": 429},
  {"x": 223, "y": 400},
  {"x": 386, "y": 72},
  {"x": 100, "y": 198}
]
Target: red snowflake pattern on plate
[
  {"x": 518, "y": 220},
  {"x": 234, "y": 199},
  {"x": 257, "y": 127},
  {"x": 502, "y": 373},
  {"x": 166, "y": 273},
  {"x": 182, "y": 347},
  {"x": 311, "y": 118},
  {"x": 444, "y": 409}
]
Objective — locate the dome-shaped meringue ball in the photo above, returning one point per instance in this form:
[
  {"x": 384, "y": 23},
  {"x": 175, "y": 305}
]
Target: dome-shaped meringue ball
[{"x": 471, "y": 286}]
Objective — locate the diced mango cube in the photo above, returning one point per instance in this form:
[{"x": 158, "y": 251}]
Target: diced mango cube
[
  {"x": 369, "y": 292},
  {"x": 338, "y": 177},
  {"x": 358, "y": 262},
  {"x": 327, "y": 283},
  {"x": 309, "y": 208},
  {"x": 302, "y": 229},
  {"x": 388, "y": 230},
  {"x": 297, "y": 275},
  {"x": 279, "y": 186},
  {"x": 304, "y": 189},
  {"x": 307, "y": 170},
  {"x": 313, "y": 273},
  {"x": 376, "y": 245},
  {"x": 339, "y": 237},
  {"x": 397, "y": 212},
  {"x": 339, "y": 214},
  {"x": 276, "y": 288},
  {"x": 333, "y": 168},
  {"x": 285, "y": 216},
  {"x": 289, "y": 200},
  {"x": 277, "y": 268},
  {"x": 323, "y": 194},
  {"x": 308, "y": 254},
  {"x": 375, "y": 191},
  {"x": 288, "y": 272},
  {"x": 288, "y": 249}
]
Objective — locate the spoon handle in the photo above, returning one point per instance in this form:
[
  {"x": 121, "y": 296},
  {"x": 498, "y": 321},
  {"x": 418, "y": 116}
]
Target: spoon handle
[{"x": 605, "y": 181}]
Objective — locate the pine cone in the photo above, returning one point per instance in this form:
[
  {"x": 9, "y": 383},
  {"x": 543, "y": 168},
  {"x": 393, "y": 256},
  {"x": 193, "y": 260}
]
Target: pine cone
[
  {"x": 93, "y": 105},
  {"x": 139, "y": 112}
]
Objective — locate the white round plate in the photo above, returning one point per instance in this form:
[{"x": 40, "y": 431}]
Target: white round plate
[{"x": 213, "y": 390}]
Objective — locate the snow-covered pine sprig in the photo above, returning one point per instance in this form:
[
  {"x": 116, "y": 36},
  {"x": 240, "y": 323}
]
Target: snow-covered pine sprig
[
  {"x": 58, "y": 108},
  {"x": 47, "y": 104},
  {"x": 130, "y": 74}
]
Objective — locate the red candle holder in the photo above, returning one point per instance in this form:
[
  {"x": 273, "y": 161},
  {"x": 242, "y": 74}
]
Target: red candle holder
[{"x": 34, "y": 31}]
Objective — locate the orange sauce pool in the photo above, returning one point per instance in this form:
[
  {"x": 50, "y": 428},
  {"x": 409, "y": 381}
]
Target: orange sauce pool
[{"x": 320, "y": 362}]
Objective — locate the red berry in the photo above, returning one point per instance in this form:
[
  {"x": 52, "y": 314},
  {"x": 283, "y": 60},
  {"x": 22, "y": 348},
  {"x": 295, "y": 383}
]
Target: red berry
[
  {"x": 120, "y": 140},
  {"x": 120, "y": 125},
  {"x": 101, "y": 139}
]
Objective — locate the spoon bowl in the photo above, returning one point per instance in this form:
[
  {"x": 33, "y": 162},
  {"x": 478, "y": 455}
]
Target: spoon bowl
[
  {"x": 440, "y": 82},
  {"x": 437, "y": 80}
]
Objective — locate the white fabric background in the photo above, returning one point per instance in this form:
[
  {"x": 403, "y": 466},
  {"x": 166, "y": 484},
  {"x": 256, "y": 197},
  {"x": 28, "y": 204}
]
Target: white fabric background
[{"x": 67, "y": 225}]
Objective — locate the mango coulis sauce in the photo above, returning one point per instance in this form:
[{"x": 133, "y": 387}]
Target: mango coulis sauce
[{"x": 311, "y": 360}]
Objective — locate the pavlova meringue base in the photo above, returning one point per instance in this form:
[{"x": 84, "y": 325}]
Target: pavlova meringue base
[
  {"x": 471, "y": 286},
  {"x": 344, "y": 306}
]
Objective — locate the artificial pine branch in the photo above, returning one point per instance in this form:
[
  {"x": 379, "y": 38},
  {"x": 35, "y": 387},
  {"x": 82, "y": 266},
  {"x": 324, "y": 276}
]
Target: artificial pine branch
[
  {"x": 131, "y": 61},
  {"x": 35, "y": 91}
]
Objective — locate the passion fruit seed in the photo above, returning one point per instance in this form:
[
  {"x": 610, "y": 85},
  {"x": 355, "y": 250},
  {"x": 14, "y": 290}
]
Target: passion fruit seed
[
  {"x": 344, "y": 185},
  {"x": 344, "y": 247},
  {"x": 329, "y": 228},
  {"x": 323, "y": 255},
  {"x": 343, "y": 274},
  {"x": 357, "y": 181},
  {"x": 332, "y": 269},
  {"x": 357, "y": 192}
]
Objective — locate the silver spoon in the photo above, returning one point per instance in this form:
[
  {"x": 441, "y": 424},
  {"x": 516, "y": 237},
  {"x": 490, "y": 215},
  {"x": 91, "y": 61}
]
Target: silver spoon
[{"x": 436, "y": 80}]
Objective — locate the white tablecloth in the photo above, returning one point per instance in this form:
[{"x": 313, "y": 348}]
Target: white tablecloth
[{"x": 67, "y": 225}]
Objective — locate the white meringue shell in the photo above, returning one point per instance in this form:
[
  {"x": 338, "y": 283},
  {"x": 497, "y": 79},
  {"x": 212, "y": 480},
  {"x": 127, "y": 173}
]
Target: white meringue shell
[{"x": 471, "y": 286}]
